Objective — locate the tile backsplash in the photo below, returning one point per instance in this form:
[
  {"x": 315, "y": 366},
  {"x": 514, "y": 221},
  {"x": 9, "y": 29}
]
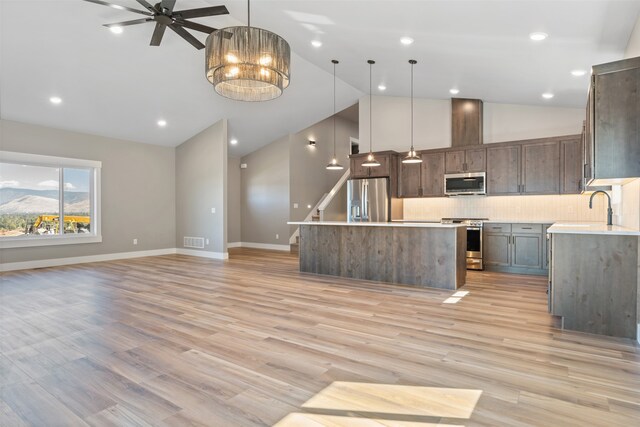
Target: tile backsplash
[{"x": 550, "y": 208}]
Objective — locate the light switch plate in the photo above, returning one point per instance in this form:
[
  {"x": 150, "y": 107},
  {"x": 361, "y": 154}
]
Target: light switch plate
[
  {"x": 213, "y": 210},
  {"x": 295, "y": 206}
]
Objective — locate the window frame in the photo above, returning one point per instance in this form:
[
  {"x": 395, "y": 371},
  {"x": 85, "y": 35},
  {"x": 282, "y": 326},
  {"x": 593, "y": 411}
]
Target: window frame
[{"x": 95, "y": 236}]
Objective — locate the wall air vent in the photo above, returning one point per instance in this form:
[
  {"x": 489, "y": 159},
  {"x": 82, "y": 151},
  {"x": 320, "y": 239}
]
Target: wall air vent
[{"x": 194, "y": 242}]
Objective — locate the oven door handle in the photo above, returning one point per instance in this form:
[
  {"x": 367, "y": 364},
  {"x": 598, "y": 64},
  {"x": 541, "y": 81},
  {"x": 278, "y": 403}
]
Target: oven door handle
[{"x": 473, "y": 228}]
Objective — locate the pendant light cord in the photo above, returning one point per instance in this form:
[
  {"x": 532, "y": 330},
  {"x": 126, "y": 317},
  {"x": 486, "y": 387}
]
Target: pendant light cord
[
  {"x": 334, "y": 108},
  {"x": 370, "y": 107},
  {"x": 249, "y": 13},
  {"x": 412, "y": 150}
]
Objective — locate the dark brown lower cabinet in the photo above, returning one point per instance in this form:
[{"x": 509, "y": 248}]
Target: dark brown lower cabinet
[{"x": 516, "y": 248}]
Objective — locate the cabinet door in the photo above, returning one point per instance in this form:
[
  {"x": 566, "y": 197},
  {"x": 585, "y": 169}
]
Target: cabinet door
[
  {"x": 384, "y": 169},
  {"x": 409, "y": 184},
  {"x": 571, "y": 169},
  {"x": 541, "y": 168},
  {"x": 476, "y": 160},
  {"x": 454, "y": 161},
  {"x": 357, "y": 170},
  {"x": 503, "y": 170},
  {"x": 496, "y": 249},
  {"x": 616, "y": 123},
  {"x": 527, "y": 250},
  {"x": 433, "y": 175}
]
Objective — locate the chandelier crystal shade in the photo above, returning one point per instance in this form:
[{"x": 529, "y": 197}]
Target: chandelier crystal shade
[{"x": 247, "y": 63}]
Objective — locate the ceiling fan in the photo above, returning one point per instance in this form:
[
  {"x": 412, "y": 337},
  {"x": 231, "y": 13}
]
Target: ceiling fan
[{"x": 164, "y": 16}]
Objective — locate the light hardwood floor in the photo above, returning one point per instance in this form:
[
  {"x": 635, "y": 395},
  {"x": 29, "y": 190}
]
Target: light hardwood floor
[{"x": 176, "y": 340}]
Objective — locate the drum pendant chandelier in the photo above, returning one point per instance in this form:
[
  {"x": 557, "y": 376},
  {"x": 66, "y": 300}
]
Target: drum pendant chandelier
[{"x": 247, "y": 63}]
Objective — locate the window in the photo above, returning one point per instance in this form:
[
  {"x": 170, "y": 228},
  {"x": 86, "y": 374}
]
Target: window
[{"x": 48, "y": 200}]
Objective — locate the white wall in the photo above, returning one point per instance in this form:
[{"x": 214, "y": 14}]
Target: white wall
[
  {"x": 201, "y": 184},
  {"x": 633, "y": 47},
  {"x": 432, "y": 123}
]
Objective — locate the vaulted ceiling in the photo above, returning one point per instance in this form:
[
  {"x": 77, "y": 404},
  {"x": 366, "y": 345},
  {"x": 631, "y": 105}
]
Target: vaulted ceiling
[{"x": 119, "y": 86}]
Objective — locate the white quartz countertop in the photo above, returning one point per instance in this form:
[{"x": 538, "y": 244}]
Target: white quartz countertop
[
  {"x": 379, "y": 224},
  {"x": 591, "y": 228}
]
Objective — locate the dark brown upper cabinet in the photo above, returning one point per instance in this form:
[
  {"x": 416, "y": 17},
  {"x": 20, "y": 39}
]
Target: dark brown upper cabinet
[
  {"x": 466, "y": 122},
  {"x": 571, "y": 167},
  {"x": 433, "y": 174},
  {"x": 469, "y": 160},
  {"x": 613, "y": 123},
  {"x": 409, "y": 182},
  {"x": 503, "y": 170},
  {"x": 540, "y": 168},
  {"x": 388, "y": 168}
]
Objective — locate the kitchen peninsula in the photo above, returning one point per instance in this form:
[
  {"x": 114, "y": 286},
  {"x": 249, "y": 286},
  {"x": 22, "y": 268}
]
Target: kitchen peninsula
[{"x": 416, "y": 254}]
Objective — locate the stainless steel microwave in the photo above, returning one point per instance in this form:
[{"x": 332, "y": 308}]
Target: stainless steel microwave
[{"x": 465, "y": 184}]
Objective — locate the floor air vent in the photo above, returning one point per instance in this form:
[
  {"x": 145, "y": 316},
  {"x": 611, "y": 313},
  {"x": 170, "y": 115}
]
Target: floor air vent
[{"x": 194, "y": 242}]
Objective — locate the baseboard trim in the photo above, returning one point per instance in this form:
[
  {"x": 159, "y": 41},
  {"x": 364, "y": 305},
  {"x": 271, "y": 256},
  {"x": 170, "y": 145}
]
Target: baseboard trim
[
  {"x": 54, "y": 262},
  {"x": 203, "y": 254},
  {"x": 234, "y": 245},
  {"x": 267, "y": 246}
]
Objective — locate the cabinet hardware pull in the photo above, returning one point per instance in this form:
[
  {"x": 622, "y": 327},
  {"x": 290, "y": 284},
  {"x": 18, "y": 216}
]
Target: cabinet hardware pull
[{"x": 526, "y": 228}]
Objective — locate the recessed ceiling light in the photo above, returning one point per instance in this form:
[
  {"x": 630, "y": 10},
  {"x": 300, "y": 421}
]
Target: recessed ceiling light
[
  {"x": 316, "y": 43},
  {"x": 578, "y": 73},
  {"x": 406, "y": 41},
  {"x": 233, "y": 141},
  {"x": 382, "y": 87},
  {"x": 538, "y": 36},
  {"x": 547, "y": 95},
  {"x": 116, "y": 30},
  {"x": 55, "y": 100},
  {"x": 162, "y": 123},
  {"x": 454, "y": 91}
]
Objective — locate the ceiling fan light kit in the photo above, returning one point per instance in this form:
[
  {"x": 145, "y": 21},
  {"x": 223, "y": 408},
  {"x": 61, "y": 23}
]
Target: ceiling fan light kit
[{"x": 247, "y": 63}]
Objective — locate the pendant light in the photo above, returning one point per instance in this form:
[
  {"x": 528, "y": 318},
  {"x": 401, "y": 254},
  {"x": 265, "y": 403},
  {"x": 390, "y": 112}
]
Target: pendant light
[
  {"x": 412, "y": 157},
  {"x": 334, "y": 165},
  {"x": 371, "y": 161},
  {"x": 247, "y": 63}
]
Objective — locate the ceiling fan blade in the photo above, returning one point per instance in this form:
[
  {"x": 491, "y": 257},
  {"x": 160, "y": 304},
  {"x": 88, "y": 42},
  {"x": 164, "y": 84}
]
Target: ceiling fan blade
[
  {"x": 147, "y": 6},
  {"x": 168, "y": 4},
  {"x": 127, "y": 23},
  {"x": 115, "y": 6},
  {"x": 185, "y": 35},
  {"x": 157, "y": 34},
  {"x": 203, "y": 11},
  {"x": 195, "y": 26}
]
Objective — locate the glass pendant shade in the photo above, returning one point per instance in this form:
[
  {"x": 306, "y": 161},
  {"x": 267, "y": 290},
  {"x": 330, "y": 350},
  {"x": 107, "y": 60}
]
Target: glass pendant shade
[
  {"x": 247, "y": 63},
  {"x": 412, "y": 157},
  {"x": 371, "y": 161},
  {"x": 334, "y": 165}
]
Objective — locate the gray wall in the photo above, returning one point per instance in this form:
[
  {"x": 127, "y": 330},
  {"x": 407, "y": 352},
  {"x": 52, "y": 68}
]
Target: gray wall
[
  {"x": 265, "y": 194},
  {"x": 201, "y": 184},
  {"x": 309, "y": 177},
  {"x": 234, "y": 213},
  {"x": 138, "y": 189}
]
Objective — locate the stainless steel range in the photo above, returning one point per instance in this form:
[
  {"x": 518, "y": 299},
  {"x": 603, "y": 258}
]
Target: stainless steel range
[{"x": 474, "y": 239}]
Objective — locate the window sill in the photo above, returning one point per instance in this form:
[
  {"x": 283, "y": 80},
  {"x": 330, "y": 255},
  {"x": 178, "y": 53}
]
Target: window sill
[{"x": 25, "y": 242}]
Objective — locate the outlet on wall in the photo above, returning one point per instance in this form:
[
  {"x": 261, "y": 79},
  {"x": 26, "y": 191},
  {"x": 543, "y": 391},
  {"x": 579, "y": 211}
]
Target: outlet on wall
[
  {"x": 206, "y": 241},
  {"x": 213, "y": 210},
  {"x": 277, "y": 236},
  {"x": 135, "y": 241},
  {"x": 295, "y": 206}
]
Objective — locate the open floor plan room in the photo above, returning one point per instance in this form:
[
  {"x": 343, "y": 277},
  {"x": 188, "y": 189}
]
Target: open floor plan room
[{"x": 176, "y": 340}]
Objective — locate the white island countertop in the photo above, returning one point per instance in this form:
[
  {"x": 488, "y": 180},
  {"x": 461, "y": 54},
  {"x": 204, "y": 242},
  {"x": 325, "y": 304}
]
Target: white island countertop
[
  {"x": 379, "y": 224},
  {"x": 591, "y": 228}
]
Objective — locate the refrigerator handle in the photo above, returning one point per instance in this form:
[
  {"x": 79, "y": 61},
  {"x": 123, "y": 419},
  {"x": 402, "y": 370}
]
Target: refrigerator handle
[{"x": 365, "y": 200}]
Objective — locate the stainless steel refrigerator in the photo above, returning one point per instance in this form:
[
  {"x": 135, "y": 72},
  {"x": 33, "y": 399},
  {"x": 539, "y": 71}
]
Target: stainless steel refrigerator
[{"x": 368, "y": 200}]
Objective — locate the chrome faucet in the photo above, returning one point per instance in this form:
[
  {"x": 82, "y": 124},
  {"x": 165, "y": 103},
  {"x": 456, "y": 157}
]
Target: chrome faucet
[{"x": 609, "y": 210}]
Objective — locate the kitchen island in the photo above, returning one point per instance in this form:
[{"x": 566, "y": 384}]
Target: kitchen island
[{"x": 416, "y": 254}]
